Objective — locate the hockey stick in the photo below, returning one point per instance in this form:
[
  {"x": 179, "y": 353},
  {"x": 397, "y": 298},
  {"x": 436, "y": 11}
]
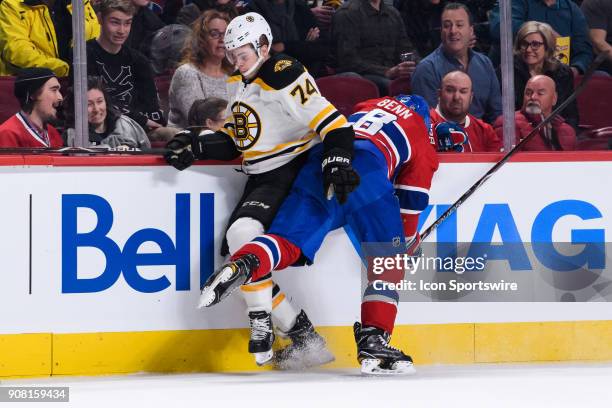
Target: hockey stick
[
  {"x": 82, "y": 151},
  {"x": 587, "y": 76}
]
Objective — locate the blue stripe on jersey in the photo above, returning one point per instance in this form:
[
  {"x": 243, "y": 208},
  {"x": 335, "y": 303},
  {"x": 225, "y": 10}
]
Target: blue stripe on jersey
[
  {"x": 412, "y": 200},
  {"x": 393, "y": 131},
  {"x": 271, "y": 246},
  {"x": 355, "y": 117}
]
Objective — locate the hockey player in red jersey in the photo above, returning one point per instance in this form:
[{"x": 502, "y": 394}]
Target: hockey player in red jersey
[{"x": 396, "y": 162}]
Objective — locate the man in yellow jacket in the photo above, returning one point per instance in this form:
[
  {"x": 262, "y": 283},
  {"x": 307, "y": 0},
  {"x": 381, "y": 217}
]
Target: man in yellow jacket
[{"x": 38, "y": 33}]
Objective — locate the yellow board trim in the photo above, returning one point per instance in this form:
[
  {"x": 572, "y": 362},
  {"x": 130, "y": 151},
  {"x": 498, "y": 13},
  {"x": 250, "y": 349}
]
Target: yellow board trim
[
  {"x": 226, "y": 350},
  {"x": 25, "y": 354},
  {"x": 558, "y": 341}
]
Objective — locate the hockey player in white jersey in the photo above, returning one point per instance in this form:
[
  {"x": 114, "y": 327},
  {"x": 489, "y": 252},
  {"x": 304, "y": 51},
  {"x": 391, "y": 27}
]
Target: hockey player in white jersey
[{"x": 275, "y": 115}]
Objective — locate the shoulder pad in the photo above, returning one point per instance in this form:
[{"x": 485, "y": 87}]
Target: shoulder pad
[{"x": 280, "y": 71}]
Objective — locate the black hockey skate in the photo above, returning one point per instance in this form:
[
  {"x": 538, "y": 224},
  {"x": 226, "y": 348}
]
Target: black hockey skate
[
  {"x": 307, "y": 348},
  {"x": 375, "y": 354},
  {"x": 226, "y": 279},
  {"x": 262, "y": 337}
]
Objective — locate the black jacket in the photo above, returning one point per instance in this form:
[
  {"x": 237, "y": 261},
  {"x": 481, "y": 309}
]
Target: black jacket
[
  {"x": 144, "y": 25},
  {"x": 129, "y": 81},
  {"x": 290, "y": 22}
]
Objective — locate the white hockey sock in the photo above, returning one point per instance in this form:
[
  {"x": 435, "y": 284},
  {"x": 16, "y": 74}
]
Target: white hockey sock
[
  {"x": 283, "y": 312},
  {"x": 258, "y": 295}
]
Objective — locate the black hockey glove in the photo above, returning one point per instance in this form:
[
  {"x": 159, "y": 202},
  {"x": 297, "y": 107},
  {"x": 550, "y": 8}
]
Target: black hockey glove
[
  {"x": 180, "y": 154},
  {"x": 339, "y": 177}
]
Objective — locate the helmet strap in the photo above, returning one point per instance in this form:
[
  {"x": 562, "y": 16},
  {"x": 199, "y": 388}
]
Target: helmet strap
[{"x": 253, "y": 70}]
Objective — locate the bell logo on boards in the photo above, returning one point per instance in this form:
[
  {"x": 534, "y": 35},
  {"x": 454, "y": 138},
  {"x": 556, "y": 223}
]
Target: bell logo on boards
[{"x": 125, "y": 261}]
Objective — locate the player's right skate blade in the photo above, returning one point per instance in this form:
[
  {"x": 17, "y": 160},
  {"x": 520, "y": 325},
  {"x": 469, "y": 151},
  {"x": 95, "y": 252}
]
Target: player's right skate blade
[
  {"x": 210, "y": 294},
  {"x": 371, "y": 366},
  {"x": 226, "y": 280},
  {"x": 264, "y": 358}
]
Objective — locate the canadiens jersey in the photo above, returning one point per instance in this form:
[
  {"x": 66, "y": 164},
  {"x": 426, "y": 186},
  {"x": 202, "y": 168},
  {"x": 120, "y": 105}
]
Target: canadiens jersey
[
  {"x": 402, "y": 137},
  {"x": 277, "y": 115},
  {"x": 481, "y": 135}
]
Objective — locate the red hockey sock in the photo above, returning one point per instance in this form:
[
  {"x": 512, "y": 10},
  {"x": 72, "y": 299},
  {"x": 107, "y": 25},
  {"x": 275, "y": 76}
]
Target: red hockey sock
[
  {"x": 273, "y": 252},
  {"x": 379, "y": 314}
]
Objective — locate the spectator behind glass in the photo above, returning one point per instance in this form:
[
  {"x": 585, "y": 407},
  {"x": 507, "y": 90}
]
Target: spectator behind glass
[
  {"x": 107, "y": 126},
  {"x": 324, "y": 10},
  {"x": 38, "y": 93},
  {"x": 31, "y": 37},
  {"x": 144, "y": 25},
  {"x": 534, "y": 54},
  {"x": 454, "y": 129},
  {"x": 208, "y": 113},
  {"x": 189, "y": 13},
  {"x": 564, "y": 16},
  {"x": 369, "y": 37},
  {"x": 598, "y": 14},
  {"x": 126, "y": 72},
  {"x": 422, "y": 21},
  {"x": 167, "y": 47},
  {"x": 205, "y": 69},
  {"x": 295, "y": 31},
  {"x": 455, "y": 54},
  {"x": 538, "y": 101}
]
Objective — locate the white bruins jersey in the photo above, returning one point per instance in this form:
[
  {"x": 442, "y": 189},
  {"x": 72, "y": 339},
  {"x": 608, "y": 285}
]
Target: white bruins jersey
[{"x": 278, "y": 115}]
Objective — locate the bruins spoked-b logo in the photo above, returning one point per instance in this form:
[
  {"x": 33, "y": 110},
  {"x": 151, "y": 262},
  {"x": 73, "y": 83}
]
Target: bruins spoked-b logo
[{"x": 247, "y": 126}]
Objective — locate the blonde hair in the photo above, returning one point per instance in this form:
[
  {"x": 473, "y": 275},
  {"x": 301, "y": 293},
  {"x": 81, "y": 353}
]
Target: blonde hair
[{"x": 548, "y": 36}]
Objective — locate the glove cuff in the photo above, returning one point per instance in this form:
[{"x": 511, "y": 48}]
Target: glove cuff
[
  {"x": 198, "y": 144},
  {"x": 341, "y": 138}
]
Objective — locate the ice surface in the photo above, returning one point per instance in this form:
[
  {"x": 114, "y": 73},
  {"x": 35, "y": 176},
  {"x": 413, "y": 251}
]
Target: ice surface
[{"x": 516, "y": 385}]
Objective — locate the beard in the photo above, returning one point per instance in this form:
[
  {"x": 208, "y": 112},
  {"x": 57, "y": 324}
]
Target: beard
[
  {"x": 54, "y": 118},
  {"x": 533, "y": 108}
]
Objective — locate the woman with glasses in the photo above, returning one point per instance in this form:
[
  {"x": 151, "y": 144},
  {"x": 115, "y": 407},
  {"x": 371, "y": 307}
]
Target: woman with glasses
[
  {"x": 534, "y": 54},
  {"x": 204, "y": 70}
]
